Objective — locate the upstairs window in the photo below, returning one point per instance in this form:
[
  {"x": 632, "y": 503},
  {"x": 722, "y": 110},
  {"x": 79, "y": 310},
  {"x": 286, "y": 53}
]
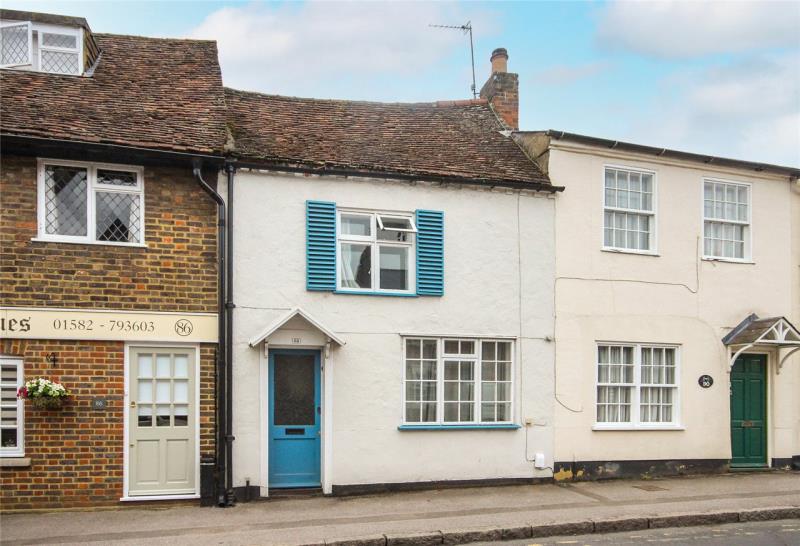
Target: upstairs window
[
  {"x": 80, "y": 202},
  {"x": 376, "y": 252},
  {"x": 15, "y": 44},
  {"x": 726, "y": 220},
  {"x": 629, "y": 211},
  {"x": 41, "y": 47}
]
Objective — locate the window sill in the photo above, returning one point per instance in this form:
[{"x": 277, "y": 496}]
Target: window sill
[
  {"x": 14, "y": 461},
  {"x": 603, "y": 428},
  {"x": 368, "y": 293},
  {"x": 95, "y": 243},
  {"x": 502, "y": 426},
  {"x": 727, "y": 260},
  {"x": 628, "y": 251}
]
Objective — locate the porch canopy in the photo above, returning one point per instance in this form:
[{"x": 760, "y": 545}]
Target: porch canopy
[
  {"x": 287, "y": 319},
  {"x": 766, "y": 333}
]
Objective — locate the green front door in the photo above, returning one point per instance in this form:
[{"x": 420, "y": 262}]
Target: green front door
[{"x": 749, "y": 411}]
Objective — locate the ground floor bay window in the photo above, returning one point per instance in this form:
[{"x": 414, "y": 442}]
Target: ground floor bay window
[
  {"x": 637, "y": 386},
  {"x": 458, "y": 381}
]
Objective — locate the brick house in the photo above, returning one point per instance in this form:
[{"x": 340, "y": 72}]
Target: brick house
[{"x": 108, "y": 261}]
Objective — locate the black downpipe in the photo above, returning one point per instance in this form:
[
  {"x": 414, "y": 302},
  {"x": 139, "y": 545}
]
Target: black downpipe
[
  {"x": 230, "y": 170},
  {"x": 222, "y": 339}
]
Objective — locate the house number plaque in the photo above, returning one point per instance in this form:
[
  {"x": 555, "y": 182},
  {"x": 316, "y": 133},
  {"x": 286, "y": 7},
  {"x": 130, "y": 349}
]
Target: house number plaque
[{"x": 705, "y": 381}]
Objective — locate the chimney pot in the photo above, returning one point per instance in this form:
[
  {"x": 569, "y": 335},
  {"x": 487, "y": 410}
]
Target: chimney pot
[{"x": 499, "y": 60}]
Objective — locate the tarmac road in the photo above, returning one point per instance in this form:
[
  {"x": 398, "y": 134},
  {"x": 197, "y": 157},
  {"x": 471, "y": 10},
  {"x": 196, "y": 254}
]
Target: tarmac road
[{"x": 760, "y": 533}]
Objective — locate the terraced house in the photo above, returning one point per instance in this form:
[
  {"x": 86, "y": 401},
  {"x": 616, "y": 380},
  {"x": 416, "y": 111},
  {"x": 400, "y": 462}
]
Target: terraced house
[
  {"x": 109, "y": 279},
  {"x": 398, "y": 332}
]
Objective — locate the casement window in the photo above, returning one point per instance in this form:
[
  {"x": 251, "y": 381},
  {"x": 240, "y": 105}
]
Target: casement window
[
  {"x": 629, "y": 220},
  {"x": 376, "y": 251},
  {"x": 726, "y": 220},
  {"x": 458, "y": 381},
  {"x": 11, "y": 408},
  {"x": 637, "y": 385},
  {"x": 352, "y": 251},
  {"x": 41, "y": 47},
  {"x": 90, "y": 203}
]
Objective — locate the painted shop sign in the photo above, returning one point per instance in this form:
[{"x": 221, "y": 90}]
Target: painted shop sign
[{"x": 39, "y": 323}]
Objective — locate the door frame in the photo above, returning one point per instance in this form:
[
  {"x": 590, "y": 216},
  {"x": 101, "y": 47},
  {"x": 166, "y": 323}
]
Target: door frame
[
  {"x": 326, "y": 403},
  {"x": 768, "y": 359},
  {"x": 126, "y": 421}
]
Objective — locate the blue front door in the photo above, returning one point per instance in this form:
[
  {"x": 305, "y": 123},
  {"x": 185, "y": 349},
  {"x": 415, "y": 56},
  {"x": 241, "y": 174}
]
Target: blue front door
[{"x": 294, "y": 418}]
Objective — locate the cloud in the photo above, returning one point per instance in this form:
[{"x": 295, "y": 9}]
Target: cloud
[
  {"x": 683, "y": 29},
  {"x": 295, "y": 47},
  {"x": 566, "y": 74},
  {"x": 747, "y": 110}
]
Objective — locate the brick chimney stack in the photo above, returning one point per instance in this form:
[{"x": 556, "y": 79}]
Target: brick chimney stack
[{"x": 502, "y": 89}]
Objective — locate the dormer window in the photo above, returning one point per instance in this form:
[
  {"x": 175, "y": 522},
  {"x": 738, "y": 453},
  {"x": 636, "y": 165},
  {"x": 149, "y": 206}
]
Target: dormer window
[{"x": 41, "y": 47}]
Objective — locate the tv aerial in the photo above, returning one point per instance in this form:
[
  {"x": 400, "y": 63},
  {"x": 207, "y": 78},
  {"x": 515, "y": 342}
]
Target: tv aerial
[{"x": 466, "y": 29}]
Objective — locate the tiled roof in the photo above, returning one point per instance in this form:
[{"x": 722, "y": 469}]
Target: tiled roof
[
  {"x": 144, "y": 92},
  {"x": 455, "y": 139}
]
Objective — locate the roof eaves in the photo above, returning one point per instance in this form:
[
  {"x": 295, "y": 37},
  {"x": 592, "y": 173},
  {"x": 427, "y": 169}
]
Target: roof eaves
[{"x": 792, "y": 172}]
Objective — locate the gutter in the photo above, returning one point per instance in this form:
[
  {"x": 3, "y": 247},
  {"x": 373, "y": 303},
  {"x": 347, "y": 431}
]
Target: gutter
[
  {"x": 223, "y": 346},
  {"x": 791, "y": 172}
]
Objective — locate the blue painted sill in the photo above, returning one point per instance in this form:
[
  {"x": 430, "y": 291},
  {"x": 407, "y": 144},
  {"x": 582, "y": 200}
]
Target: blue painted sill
[
  {"x": 460, "y": 427},
  {"x": 367, "y": 293}
]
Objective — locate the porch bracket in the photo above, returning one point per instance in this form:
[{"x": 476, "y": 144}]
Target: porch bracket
[{"x": 784, "y": 358}]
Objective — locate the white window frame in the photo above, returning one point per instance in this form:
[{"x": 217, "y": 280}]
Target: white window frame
[
  {"x": 92, "y": 188},
  {"x": 748, "y": 225},
  {"x": 9, "y": 23},
  {"x": 52, "y": 29},
  {"x": 375, "y": 244},
  {"x": 19, "y": 450},
  {"x": 635, "y": 422},
  {"x": 477, "y": 359},
  {"x": 653, "y": 214}
]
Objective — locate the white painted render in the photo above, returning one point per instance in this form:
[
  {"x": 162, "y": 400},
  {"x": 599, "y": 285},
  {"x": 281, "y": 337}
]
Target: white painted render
[
  {"x": 499, "y": 267},
  {"x": 673, "y": 297}
]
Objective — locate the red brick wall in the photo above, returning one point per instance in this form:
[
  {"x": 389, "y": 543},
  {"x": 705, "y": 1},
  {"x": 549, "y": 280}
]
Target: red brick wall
[
  {"x": 176, "y": 272},
  {"x": 76, "y": 452}
]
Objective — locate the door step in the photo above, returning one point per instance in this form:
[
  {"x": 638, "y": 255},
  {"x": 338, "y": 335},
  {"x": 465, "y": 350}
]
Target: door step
[{"x": 295, "y": 492}]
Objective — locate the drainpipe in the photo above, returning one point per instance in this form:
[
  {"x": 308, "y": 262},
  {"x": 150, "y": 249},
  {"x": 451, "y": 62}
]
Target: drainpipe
[
  {"x": 222, "y": 496},
  {"x": 230, "y": 170}
]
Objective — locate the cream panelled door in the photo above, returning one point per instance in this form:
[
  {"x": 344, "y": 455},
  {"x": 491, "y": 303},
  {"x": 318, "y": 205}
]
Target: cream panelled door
[{"x": 161, "y": 446}]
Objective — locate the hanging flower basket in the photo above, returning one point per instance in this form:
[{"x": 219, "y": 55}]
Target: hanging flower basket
[{"x": 43, "y": 393}]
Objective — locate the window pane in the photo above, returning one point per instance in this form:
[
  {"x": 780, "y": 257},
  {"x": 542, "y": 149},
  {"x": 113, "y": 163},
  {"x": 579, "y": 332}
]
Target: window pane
[
  {"x": 65, "y": 195},
  {"x": 429, "y": 369},
  {"x": 429, "y": 391},
  {"x": 413, "y": 370},
  {"x": 116, "y": 178},
  {"x": 162, "y": 416},
  {"x": 353, "y": 224},
  {"x": 393, "y": 223},
  {"x": 14, "y": 42},
  {"x": 451, "y": 347},
  {"x": 413, "y": 391},
  {"x": 413, "y": 348},
  {"x": 429, "y": 413},
  {"x": 118, "y": 217},
  {"x": 394, "y": 268},
  {"x": 413, "y": 412},
  {"x": 145, "y": 416},
  {"x": 429, "y": 348},
  {"x": 181, "y": 416},
  {"x": 60, "y": 62},
  {"x": 356, "y": 266},
  {"x": 181, "y": 366},
  {"x": 69, "y": 41}
]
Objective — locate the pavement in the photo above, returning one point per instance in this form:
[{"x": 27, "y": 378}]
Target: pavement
[
  {"x": 754, "y": 533},
  {"x": 420, "y": 518}
]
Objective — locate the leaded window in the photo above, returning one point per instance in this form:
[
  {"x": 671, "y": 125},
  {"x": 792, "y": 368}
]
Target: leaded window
[
  {"x": 91, "y": 203},
  {"x": 726, "y": 220},
  {"x": 637, "y": 385},
  {"x": 15, "y": 44},
  {"x": 629, "y": 211},
  {"x": 458, "y": 381}
]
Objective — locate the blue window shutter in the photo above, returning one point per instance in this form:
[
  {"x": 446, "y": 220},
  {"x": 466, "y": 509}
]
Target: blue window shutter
[
  {"x": 320, "y": 245},
  {"x": 430, "y": 252}
]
